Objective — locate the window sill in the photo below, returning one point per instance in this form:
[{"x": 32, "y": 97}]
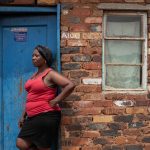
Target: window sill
[{"x": 120, "y": 6}]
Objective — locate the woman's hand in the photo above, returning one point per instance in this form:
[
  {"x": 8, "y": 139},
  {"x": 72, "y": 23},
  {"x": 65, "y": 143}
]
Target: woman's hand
[
  {"x": 21, "y": 122},
  {"x": 53, "y": 102}
]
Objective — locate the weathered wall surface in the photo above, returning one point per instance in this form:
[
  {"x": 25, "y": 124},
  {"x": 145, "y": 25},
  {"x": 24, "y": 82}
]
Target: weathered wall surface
[{"x": 94, "y": 119}]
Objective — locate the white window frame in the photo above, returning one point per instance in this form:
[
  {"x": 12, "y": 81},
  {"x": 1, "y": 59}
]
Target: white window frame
[{"x": 144, "y": 50}]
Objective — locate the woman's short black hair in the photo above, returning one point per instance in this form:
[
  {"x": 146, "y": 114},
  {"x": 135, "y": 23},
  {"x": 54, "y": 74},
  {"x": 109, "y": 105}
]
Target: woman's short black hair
[{"x": 45, "y": 53}]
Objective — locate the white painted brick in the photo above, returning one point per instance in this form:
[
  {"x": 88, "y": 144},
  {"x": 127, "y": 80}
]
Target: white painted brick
[
  {"x": 70, "y": 35},
  {"x": 92, "y": 81},
  {"x": 124, "y": 103}
]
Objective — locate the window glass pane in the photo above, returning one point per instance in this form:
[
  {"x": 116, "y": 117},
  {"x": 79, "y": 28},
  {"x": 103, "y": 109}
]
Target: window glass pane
[
  {"x": 123, "y": 76},
  {"x": 123, "y": 26},
  {"x": 124, "y": 52}
]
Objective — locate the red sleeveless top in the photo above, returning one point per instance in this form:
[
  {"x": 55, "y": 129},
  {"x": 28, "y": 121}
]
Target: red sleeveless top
[{"x": 39, "y": 95}]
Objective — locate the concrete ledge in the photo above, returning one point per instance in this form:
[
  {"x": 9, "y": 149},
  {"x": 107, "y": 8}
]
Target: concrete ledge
[{"x": 120, "y": 6}]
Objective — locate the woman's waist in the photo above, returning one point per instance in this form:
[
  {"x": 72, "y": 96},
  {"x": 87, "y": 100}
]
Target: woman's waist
[{"x": 31, "y": 105}]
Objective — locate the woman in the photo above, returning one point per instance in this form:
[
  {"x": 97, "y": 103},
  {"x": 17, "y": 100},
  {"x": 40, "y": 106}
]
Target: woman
[{"x": 40, "y": 122}]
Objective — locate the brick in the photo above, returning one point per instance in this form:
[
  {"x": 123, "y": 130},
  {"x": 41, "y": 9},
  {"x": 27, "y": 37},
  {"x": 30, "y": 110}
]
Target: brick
[
  {"x": 71, "y": 66},
  {"x": 120, "y": 140},
  {"x": 91, "y": 65},
  {"x": 68, "y": 112},
  {"x": 147, "y": 147},
  {"x": 132, "y": 139},
  {"x": 71, "y": 147},
  {"x": 102, "y": 103},
  {"x": 117, "y": 126},
  {"x": 97, "y": 126},
  {"x": 82, "y": 12},
  {"x": 112, "y": 147},
  {"x": 69, "y": 50},
  {"x": 77, "y": 43},
  {"x": 103, "y": 119},
  {"x": 70, "y": 35},
  {"x": 147, "y": 1},
  {"x": 123, "y": 118},
  {"x": 69, "y": 20},
  {"x": 69, "y": 1},
  {"x": 74, "y": 127},
  {"x": 95, "y": 28},
  {"x": 81, "y": 141},
  {"x": 74, "y": 20},
  {"x": 67, "y": 6},
  {"x": 95, "y": 73},
  {"x": 97, "y": 58},
  {"x": 63, "y": 43},
  {"x": 66, "y": 104},
  {"x": 87, "y": 88},
  {"x": 133, "y": 147},
  {"x": 83, "y": 104},
  {"x": 136, "y": 125},
  {"x": 95, "y": 43},
  {"x": 88, "y": 111},
  {"x": 93, "y": 20},
  {"x": 137, "y": 110},
  {"x": 93, "y": 96},
  {"x": 101, "y": 141},
  {"x": 47, "y": 2},
  {"x": 65, "y": 73},
  {"x": 66, "y": 120},
  {"x": 110, "y": 133},
  {"x": 146, "y": 139},
  {"x": 94, "y": 50},
  {"x": 112, "y": 111},
  {"x": 75, "y": 134},
  {"x": 75, "y": 96},
  {"x": 79, "y": 74},
  {"x": 79, "y": 28},
  {"x": 131, "y": 132},
  {"x": 93, "y": 147},
  {"x": 146, "y": 130},
  {"x": 92, "y": 35},
  {"x": 142, "y": 103},
  {"x": 96, "y": 81},
  {"x": 66, "y": 142},
  {"x": 97, "y": 13},
  {"x": 66, "y": 58},
  {"x": 64, "y": 12},
  {"x": 91, "y": 134},
  {"x": 142, "y": 117},
  {"x": 64, "y": 28},
  {"x": 124, "y": 103},
  {"x": 81, "y": 58},
  {"x": 82, "y": 119}
]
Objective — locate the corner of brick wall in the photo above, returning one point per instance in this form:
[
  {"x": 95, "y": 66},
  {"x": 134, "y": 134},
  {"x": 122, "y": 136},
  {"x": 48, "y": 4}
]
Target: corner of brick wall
[{"x": 91, "y": 118}]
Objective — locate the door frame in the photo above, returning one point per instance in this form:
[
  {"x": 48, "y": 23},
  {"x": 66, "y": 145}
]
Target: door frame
[{"x": 18, "y": 10}]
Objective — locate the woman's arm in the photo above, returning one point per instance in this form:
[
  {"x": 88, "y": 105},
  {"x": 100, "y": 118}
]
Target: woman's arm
[{"x": 66, "y": 84}]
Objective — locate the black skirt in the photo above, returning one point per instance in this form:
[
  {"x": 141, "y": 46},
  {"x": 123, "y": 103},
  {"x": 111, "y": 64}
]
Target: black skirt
[{"x": 42, "y": 130}]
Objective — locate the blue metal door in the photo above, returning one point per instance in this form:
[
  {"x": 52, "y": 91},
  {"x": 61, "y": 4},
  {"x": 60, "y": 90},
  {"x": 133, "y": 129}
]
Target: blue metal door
[{"x": 19, "y": 36}]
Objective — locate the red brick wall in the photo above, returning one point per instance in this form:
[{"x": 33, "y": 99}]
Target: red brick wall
[{"x": 92, "y": 119}]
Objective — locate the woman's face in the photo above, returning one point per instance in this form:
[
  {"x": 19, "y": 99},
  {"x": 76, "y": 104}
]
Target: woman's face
[{"x": 37, "y": 59}]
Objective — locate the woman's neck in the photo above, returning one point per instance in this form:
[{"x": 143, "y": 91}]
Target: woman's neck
[{"x": 41, "y": 69}]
